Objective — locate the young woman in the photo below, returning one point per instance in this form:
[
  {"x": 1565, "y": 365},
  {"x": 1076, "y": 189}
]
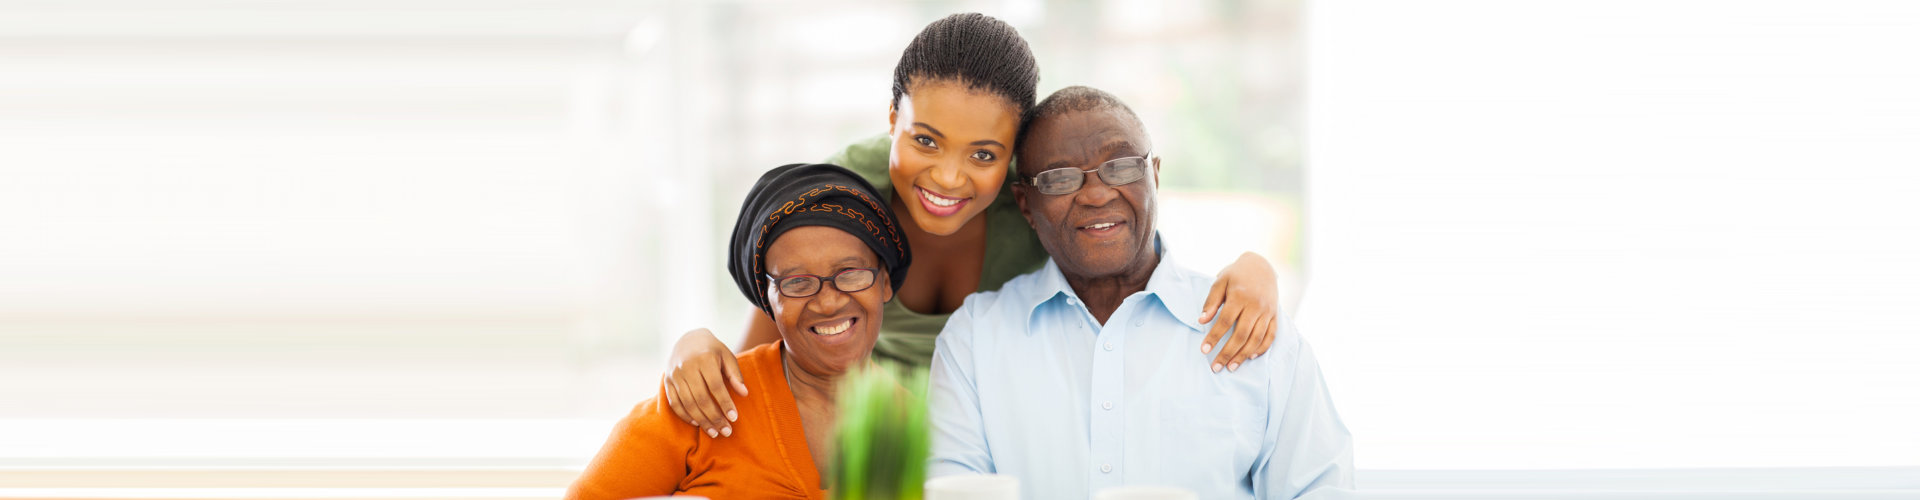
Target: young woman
[
  {"x": 960, "y": 91},
  {"x": 818, "y": 251}
]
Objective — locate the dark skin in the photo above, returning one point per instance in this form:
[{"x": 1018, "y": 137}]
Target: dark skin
[
  {"x": 941, "y": 289},
  {"x": 949, "y": 158},
  {"x": 1104, "y": 265},
  {"x": 828, "y": 334}
]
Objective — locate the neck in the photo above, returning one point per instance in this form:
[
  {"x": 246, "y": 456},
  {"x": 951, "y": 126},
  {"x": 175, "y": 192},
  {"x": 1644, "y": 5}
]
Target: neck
[
  {"x": 1103, "y": 294},
  {"x": 973, "y": 231},
  {"x": 808, "y": 387}
]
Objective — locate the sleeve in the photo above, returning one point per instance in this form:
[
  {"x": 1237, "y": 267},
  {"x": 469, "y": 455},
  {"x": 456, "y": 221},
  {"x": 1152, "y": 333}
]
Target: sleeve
[
  {"x": 869, "y": 157},
  {"x": 645, "y": 456},
  {"x": 1308, "y": 449},
  {"x": 959, "y": 433}
]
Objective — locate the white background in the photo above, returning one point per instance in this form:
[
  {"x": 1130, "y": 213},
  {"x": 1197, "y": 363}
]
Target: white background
[
  {"x": 1540, "y": 234},
  {"x": 1617, "y": 234}
]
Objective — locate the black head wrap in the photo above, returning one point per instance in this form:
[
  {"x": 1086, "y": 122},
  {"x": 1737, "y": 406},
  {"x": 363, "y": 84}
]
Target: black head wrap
[{"x": 811, "y": 195}]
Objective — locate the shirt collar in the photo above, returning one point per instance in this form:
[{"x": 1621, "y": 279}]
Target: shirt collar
[{"x": 1175, "y": 290}]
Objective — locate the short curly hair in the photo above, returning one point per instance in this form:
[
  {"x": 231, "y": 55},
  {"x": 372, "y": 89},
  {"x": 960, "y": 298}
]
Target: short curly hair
[
  {"x": 1071, "y": 99},
  {"x": 973, "y": 49}
]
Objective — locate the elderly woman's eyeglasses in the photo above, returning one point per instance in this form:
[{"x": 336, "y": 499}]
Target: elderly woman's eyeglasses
[
  {"x": 801, "y": 286},
  {"x": 1114, "y": 172}
]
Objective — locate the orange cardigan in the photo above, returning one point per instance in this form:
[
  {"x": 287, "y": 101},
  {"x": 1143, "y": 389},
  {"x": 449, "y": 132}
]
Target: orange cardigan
[{"x": 653, "y": 452}]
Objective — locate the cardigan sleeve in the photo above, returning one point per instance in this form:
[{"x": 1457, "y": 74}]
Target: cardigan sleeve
[{"x": 647, "y": 455}]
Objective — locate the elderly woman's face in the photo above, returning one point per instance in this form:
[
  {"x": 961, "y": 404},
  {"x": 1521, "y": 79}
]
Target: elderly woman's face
[{"x": 830, "y": 331}]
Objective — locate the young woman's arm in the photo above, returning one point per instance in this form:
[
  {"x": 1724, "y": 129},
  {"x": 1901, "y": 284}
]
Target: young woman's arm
[
  {"x": 1246, "y": 300},
  {"x": 700, "y": 371}
]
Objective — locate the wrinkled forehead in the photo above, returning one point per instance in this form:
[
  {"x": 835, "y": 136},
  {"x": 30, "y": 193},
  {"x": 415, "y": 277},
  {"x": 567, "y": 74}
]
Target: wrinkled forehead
[
  {"x": 814, "y": 248},
  {"x": 1082, "y": 139}
]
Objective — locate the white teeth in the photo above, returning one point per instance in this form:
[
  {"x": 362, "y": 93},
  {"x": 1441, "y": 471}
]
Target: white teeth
[
  {"x": 938, "y": 200},
  {"x": 1102, "y": 225},
  {"x": 834, "y": 330}
]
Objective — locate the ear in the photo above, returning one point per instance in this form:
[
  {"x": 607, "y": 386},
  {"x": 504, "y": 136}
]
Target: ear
[
  {"x": 1020, "y": 198},
  {"x": 1156, "y": 170},
  {"x": 886, "y": 286},
  {"x": 893, "y": 116}
]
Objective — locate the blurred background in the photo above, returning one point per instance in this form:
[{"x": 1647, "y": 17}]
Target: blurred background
[
  {"x": 1539, "y": 235},
  {"x": 366, "y": 220}
]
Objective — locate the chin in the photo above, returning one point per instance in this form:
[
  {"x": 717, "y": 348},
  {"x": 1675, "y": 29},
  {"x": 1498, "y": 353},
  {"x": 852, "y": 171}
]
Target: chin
[
  {"x": 942, "y": 225},
  {"x": 1105, "y": 264}
]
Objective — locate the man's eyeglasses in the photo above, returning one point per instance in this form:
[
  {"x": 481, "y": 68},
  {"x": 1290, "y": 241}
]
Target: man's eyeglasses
[
  {"x": 801, "y": 286},
  {"x": 1114, "y": 172}
]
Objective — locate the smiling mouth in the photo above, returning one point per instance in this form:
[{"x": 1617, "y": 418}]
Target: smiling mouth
[
  {"x": 829, "y": 330},
  {"x": 942, "y": 200},
  {"x": 939, "y": 205}
]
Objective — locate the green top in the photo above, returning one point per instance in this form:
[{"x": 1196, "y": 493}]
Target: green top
[{"x": 1012, "y": 250}]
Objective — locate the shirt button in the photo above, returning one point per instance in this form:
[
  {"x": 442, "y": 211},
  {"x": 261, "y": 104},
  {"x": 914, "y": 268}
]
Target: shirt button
[
  {"x": 1106, "y": 468},
  {"x": 1109, "y": 346},
  {"x": 1107, "y": 405},
  {"x": 1138, "y": 322},
  {"x": 1072, "y": 302}
]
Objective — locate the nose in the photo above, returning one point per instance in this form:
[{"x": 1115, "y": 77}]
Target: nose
[
  {"x": 1094, "y": 192},
  {"x": 946, "y": 174},
  {"x": 828, "y": 300}
]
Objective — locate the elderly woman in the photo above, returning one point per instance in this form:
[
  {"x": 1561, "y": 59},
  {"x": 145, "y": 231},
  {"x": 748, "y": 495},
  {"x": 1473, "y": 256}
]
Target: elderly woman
[{"x": 811, "y": 244}]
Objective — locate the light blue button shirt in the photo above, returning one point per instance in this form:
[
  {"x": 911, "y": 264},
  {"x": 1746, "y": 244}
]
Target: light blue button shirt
[{"x": 1027, "y": 383}]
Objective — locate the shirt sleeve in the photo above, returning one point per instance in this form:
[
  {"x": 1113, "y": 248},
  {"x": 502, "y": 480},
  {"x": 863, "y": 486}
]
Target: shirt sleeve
[
  {"x": 1308, "y": 449},
  {"x": 959, "y": 432},
  {"x": 645, "y": 456}
]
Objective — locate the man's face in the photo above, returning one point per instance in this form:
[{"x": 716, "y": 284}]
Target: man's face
[{"x": 1100, "y": 230}]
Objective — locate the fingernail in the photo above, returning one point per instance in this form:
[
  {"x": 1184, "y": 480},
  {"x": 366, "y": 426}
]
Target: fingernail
[
  {"x": 712, "y": 433},
  {"x": 693, "y": 423},
  {"x": 1250, "y": 358},
  {"x": 1233, "y": 367},
  {"x": 733, "y": 415},
  {"x": 1216, "y": 367},
  {"x": 728, "y": 431},
  {"x": 1206, "y": 348}
]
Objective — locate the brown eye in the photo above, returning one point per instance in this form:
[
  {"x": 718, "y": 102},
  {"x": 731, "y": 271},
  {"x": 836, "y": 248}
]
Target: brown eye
[
  {"x": 923, "y": 140},
  {"x": 983, "y": 155},
  {"x": 853, "y": 280},
  {"x": 799, "y": 286}
]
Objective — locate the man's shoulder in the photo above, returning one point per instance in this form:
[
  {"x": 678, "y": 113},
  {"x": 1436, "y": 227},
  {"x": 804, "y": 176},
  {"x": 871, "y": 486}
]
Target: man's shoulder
[
  {"x": 990, "y": 310},
  {"x": 1185, "y": 277}
]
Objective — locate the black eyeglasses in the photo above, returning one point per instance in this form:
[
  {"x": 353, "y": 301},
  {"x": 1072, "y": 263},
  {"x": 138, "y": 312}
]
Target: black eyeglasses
[
  {"x": 1114, "y": 172},
  {"x": 801, "y": 286}
]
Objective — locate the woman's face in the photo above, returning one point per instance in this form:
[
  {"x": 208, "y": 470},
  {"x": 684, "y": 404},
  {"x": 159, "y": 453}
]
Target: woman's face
[
  {"x": 831, "y": 331},
  {"x": 951, "y": 147}
]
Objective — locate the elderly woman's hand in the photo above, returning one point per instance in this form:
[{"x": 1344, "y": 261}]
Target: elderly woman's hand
[
  {"x": 696, "y": 382},
  {"x": 1246, "y": 299}
]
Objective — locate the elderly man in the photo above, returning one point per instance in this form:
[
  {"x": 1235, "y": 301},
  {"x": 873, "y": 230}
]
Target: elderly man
[{"x": 1089, "y": 373}]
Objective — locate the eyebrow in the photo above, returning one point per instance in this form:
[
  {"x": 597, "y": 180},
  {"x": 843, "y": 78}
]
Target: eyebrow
[
  {"x": 836, "y": 266},
  {"x": 1106, "y": 151},
  {"x": 982, "y": 142}
]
